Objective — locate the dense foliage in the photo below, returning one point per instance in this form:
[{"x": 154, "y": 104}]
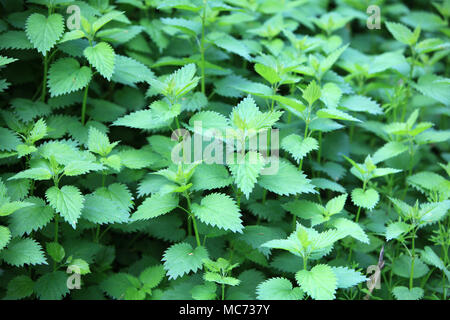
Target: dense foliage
[{"x": 93, "y": 206}]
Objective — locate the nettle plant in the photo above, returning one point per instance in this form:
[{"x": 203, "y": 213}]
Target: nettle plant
[{"x": 232, "y": 149}]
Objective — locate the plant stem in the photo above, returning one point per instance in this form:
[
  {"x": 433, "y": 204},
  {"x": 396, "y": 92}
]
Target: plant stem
[
  {"x": 56, "y": 227},
  {"x": 194, "y": 223},
  {"x": 356, "y": 220},
  {"x": 44, "y": 80},
  {"x": 223, "y": 291},
  {"x": 304, "y": 137},
  {"x": 319, "y": 152},
  {"x": 202, "y": 47},
  {"x": 83, "y": 107},
  {"x": 197, "y": 238},
  {"x": 412, "y": 259},
  {"x": 97, "y": 234},
  {"x": 104, "y": 232}
]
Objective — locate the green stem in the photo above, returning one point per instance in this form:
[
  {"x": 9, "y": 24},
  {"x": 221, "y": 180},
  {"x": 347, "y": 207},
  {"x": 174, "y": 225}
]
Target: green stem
[
  {"x": 356, "y": 220},
  {"x": 202, "y": 47},
  {"x": 194, "y": 223},
  {"x": 44, "y": 80},
  {"x": 223, "y": 291},
  {"x": 97, "y": 234},
  {"x": 197, "y": 238},
  {"x": 83, "y": 107},
  {"x": 56, "y": 227},
  {"x": 413, "y": 256},
  {"x": 319, "y": 153},
  {"x": 189, "y": 226},
  {"x": 104, "y": 232},
  {"x": 304, "y": 137}
]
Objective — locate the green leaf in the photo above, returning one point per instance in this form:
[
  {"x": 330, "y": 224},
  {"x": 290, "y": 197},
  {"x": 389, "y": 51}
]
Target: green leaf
[
  {"x": 33, "y": 173},
  {"x": 5, "y": 237},
  {"x": 427, "y": 181},
  {"x": 246, "y": 171},
  {"x": 434, "y": 87},
  {"x": 79, "y": 266},
  {"x": 388, "y": 151},
  {"x": 23, "y": 251},
  {"x": 267, "y": 73},
  {"x": 137, "y": 159},
  {"x": 152, "y": 276},
  {"x": 287, "y": 180},
  {"x": 401, "y": 266},
  {"x": 347, "y": 278},
  {"x": 23, "y": 150},
  {"x": 44, "y": 32},
  {"x": 430, "y": 257},
  {"x": 401, "y": 33},
  {"x": 52, "y": 286},
  {"x": 76, "y": 168},
  {"x": 396, "y": 229},
  {"x": 100, "y": 209},
  {"x": 320, "y": 282},
  {"x": 20, "y": 287},
  {"x": 101, "y": 57},
  {"x": 8, "y": 140},
  {"x": 129, "y": 71},
  {"x": 189, "y": 27},
  {"x": 299, "y": 147},
  {"x": 8, "y": 208},
  {"x": 404, "y": 293},
  {"x": 31, "y": 218},
  {"x": 155, "y": 206},
  {"x": 72, "y": 35},
  {"x": 230, "y": 44},
  {"x": 366, "y": 199},
  {"x": 219, "y": 210},
  {"x": 278, "y": 289},
  {"x": 335, "y": 114},
  {"x": 330, "y": 60},
  {"x": 210, "y": 176},
  {"x": 38, "y": 132},
  {"x": 350, "y": 228},
  {"x": 291, "y": 104},
  {"x": 181, "y": 258},
  {"x": 5, "y": 60},
  {"x": 331, "y": 95},
  {"x": 336, "y": 204},
  {"x": 219, "y": 279},
  {"x": 117, "y": 284},
  {"x": 433, "y": 212},
  {"x": 205, "y": 291},
  {"x": 100, "y": 22},
  {"x": 66, "y": 76},
  {"x": 257, "y": 235},
  {"x": 15, "y": 40},
  {"x": 312, "y": 93},
  {"x": 55, "y": 251},
  {"x": 98, "y": 142},
  {"x": 67, "y": 201},
  {"x": 361, "y": 104}
]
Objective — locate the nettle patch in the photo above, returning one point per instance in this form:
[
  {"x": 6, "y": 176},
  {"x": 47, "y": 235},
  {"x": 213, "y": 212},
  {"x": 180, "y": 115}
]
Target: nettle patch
[{"x": 235, "y": 149}]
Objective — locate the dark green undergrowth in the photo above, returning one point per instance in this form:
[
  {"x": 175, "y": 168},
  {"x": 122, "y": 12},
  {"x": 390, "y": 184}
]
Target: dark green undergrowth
[{"x": 347, "y": 198}]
